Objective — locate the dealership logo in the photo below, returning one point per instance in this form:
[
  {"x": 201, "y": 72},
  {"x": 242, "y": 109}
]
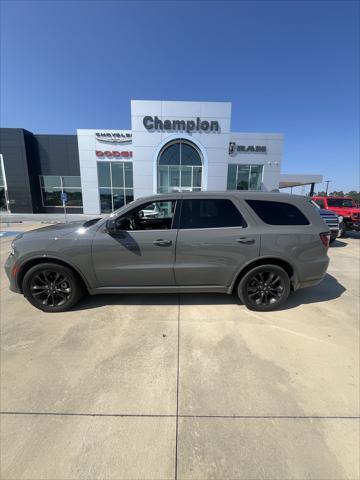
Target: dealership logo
[
  {"x": 108, "y": 153},
  {"x": 197, "y": 125},
  {"x": 233, "y": 148},
  {"x": 115, "y": 137}
]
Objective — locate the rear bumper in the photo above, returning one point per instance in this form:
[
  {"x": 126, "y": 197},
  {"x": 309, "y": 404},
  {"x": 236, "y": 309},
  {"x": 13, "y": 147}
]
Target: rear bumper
[
  {"x": 311, "y": 274},
  {"x": 9, "y": 269}
]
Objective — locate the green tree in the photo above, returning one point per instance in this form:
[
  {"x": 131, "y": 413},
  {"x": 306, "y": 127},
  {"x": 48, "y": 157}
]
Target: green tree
[{"x": 354, "y": 195}]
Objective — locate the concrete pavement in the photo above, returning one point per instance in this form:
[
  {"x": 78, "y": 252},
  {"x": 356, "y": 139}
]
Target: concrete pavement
[{"x": 188, "y": 387}]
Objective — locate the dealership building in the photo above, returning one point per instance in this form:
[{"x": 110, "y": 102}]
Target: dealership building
[{"x": 171, "y": 147}]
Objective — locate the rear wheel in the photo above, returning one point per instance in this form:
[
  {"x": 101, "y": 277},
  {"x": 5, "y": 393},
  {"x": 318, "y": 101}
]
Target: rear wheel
[
  {"x": 264, "y": 288},
  {"x": 52, "y": 287}
]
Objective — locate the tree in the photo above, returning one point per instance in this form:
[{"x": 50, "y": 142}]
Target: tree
[
  {"x": 336, "y": 194},
  {"x": 354, "y": 195}
]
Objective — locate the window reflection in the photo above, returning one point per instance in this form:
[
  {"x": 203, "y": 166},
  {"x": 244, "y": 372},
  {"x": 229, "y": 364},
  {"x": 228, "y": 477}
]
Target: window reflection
[
  {"x": 52, "y": 186},
  {"x": 115, "y": 185},
  {"x": 244, "y": 177}
]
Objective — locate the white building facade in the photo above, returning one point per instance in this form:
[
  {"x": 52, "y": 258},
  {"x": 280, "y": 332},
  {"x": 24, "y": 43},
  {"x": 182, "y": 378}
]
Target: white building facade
[{"x": 174, "y": 146}]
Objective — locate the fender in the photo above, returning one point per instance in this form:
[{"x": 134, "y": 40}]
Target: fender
[
  {"x": 263, "y": 259},
  {"x": 48, "y": 258}
]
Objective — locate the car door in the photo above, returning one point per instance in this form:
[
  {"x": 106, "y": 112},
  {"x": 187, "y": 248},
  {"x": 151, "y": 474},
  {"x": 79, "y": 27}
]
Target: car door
[
  {"x": 214, "y": 242},
  {"x": 141, "y": 252}
]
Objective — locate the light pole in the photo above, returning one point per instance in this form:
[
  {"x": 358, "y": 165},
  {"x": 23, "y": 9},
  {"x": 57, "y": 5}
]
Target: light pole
[{"x": 327, "y": 185}]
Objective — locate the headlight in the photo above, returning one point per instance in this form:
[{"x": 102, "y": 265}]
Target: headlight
[{"x": 341, "y": 218}]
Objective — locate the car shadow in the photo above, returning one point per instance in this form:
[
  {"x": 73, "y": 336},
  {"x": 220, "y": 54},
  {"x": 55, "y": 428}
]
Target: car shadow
[
  {"x": 352, "y": 234},
  {"x": 328, "y": 289},
  {"x": 338, "y": 243}
]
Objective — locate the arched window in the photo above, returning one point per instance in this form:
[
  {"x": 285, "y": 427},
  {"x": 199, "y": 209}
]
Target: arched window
[{"x": 179, "y": 167}]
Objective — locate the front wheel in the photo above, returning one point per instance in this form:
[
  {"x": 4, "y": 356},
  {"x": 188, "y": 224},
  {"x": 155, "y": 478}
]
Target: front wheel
[
  {"x": 52, "y": 287},
  {"x": 264, "y": 288},
  {"x": 342, "y": 231}
]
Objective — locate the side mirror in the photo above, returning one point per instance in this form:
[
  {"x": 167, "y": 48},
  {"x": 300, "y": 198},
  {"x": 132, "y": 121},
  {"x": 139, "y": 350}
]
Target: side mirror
[{"x": 111, "y": 225}]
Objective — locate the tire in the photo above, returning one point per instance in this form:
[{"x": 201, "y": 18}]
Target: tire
[
  {"x": 342, "y": 232},
  {"x": 252, "y": 285},
  {"x": 51, "y": 287}
]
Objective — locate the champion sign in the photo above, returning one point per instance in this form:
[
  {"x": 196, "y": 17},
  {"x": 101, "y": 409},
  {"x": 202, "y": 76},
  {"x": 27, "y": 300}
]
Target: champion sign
[
  {"x": 108, "y": 153},
  {"x": 197, "y": 125}
]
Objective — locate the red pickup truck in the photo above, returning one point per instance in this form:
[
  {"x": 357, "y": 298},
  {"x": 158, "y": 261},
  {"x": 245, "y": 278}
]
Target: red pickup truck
[{"x": 345, "y": 207}]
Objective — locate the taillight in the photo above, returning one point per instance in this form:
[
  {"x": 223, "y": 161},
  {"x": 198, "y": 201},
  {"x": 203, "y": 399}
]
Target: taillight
[{"x": 325, "y": 238}]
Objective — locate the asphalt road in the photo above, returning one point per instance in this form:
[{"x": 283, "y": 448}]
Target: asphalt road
[{"x": 184, "y": 386}]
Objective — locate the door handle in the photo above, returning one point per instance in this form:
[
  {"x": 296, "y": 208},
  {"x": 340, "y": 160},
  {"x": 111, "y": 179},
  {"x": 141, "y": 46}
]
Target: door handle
[
  {"x": 162, "y": 243},
  {"x": 245, "y": 240}
]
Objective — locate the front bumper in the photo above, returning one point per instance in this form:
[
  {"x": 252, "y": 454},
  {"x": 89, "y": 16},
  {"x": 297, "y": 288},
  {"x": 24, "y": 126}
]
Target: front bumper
[
  {"x": 353, "y": 225},
  {"x": 10, "y": 269}
]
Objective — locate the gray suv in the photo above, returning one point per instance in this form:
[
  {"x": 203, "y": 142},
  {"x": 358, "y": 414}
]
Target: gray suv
[{"x": 258, "y": 245}]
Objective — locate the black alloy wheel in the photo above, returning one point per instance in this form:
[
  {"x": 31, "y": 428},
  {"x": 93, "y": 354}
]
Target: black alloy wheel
[
  {"x": 52, "y": 287},
  {"x": 264, "y": 288}
]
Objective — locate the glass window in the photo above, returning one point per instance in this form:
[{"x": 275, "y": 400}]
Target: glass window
[
  {"x": 117, "y": 173},
  {"x": 149, "y": 216},
  {"x": 50, "y": 181},
  {"x": 180, "y": 168},
  {"x": 340, "y": 202},
  {"x": 128, "y": 168},
  {"x": 189, "y": 155},
  {"x": 104, "y": 174},
  {"x": 170, "y": 155},
  {"x": 242, "y": 182},
  {"x": 74, "y": 197},
  {"x": 210, "y": 213},
  {"x": 115, "y": 185},
  {"x": 231, "y": 180},
  {"x": 51, "y": 197},
  {"x": 255, "y": 177},
  {"x": 320, "y": 202},
  {"x": 105, "y": 200},
  {"x": 244, "y": 177},
  {"x": 2, "y": 182},
  {"x": 278, "y": 213},
  {"x": 71, "y": 182},
  {"x": 52, "y": 186}
]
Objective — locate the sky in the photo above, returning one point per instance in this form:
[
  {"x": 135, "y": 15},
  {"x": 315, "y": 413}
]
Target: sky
[{"x": 287, "y": 66}]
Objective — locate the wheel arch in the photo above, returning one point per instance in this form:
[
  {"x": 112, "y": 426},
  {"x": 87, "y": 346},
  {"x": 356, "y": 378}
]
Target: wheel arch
[
  {"x": 287, "y": 266},
  {"x": 25, "y": 267}
]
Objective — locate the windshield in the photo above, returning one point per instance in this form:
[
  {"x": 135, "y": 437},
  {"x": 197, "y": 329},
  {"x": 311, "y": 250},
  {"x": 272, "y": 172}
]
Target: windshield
[{"x": 340, "y": 202}]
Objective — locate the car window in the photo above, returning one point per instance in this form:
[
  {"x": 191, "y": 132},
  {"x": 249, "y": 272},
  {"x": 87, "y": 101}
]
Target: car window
[
  {"x": 320, "y": 202},
  {"x": 340, "y": 202},
  {"x": 210, "y": 213},
  {"x": 278, "y": 213},
  {"x": 149, "y": 216}
]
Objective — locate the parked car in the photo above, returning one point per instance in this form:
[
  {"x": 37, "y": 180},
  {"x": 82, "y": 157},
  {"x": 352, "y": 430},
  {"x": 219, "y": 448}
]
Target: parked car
[
  {"x": 257, "y": 245},
  {"x": 344, "y": 207},
  {"x": 332, "y": 220}
]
